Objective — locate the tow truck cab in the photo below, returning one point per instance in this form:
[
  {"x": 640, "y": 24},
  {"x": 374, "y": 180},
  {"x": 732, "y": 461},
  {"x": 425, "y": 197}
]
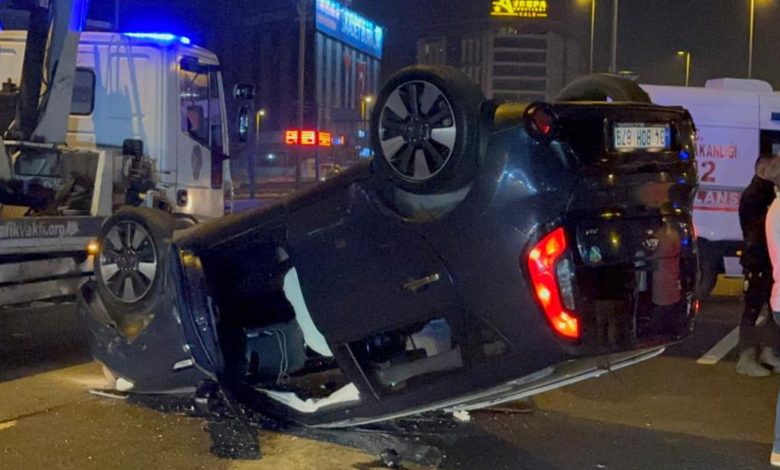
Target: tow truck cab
[
  {"x": 147, "y": 122},
  {"x": 156, "y": 88}
]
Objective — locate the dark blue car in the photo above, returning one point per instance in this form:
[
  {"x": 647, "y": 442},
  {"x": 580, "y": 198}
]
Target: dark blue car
[{"x": 488, "y": 252}]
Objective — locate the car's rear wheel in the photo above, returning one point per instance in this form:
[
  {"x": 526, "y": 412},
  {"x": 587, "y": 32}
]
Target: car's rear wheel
[
  {"x": 130, "y": 268},
  {"x": 602, "y": 87},
  {"x": 427, "y": 131}
]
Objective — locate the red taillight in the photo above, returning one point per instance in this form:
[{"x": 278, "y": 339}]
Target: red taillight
[
  {"x": 543, "y": 121},
  {"x": 540, "y": 121},
  {"x": 542, "y": 262}
]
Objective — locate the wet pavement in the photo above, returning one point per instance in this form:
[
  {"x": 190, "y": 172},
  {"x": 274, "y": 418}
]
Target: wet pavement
[{"x": 669, "y": 412}]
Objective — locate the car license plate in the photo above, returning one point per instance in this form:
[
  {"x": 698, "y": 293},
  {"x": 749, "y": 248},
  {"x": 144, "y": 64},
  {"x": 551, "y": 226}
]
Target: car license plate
[{"x": 641, "y": 136}]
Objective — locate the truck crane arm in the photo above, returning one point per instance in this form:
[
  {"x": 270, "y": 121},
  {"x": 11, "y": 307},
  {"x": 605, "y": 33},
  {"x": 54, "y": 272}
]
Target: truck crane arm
[{"x": 50, "y": 59}]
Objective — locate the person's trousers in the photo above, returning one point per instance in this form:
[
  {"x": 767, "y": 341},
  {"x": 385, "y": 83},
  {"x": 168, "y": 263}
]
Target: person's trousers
[
  {"x": 757, "y": 290},
  {"x": 776, "y": 444}
]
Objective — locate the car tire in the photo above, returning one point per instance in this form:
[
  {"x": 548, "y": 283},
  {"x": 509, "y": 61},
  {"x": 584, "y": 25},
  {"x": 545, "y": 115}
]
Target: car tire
[
  {"x": 427, "y": 130},
  {"x": 130, "y": 267},
  {"x": 708, "y": 271},
  {"x": 602, "y": 87}
]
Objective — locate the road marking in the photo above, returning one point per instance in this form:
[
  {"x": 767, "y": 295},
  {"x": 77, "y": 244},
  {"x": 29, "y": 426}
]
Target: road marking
[
  {"x": 719, "y": 351},
  {"x": 725, "y": 345},
  {"x": 7, "y": 425}
]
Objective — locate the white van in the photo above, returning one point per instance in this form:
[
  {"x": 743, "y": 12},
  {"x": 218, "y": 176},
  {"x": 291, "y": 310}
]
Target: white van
[{"x": 736, "y": 120}]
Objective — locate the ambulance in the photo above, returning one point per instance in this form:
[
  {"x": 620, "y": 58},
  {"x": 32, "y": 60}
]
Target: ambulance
[{"x": 736, "y": 121}]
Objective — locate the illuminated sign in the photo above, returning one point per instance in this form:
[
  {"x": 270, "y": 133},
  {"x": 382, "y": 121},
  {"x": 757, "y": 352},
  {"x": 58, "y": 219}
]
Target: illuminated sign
[
  {"x": 291, "y": 137},
  {"x": 334, "y": 19},
  {"x": 520, "y": 8},
  {"x": 308, "y": 138}
]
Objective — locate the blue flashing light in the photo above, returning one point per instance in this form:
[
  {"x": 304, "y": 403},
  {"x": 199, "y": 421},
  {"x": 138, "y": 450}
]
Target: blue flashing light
[
  {"x": 684, "y": 156},
  {"x": 79, "y": 15},
  {"x": 160, "y": 37}
]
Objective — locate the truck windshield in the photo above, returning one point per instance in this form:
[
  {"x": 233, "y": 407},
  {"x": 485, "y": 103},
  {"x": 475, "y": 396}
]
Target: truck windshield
[{"x": 201, "y": 110}]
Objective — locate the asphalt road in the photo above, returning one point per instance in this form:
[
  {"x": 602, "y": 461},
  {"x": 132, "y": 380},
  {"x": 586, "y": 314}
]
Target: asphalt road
[{"x": 669, "y": 412}]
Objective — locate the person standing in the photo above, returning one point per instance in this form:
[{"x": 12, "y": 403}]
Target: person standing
[
  {"x": 756, "y": 344},
  {"x": 768, "y": 168}
]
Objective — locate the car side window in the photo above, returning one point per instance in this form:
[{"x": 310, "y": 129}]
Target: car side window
[
  {"x": 83, "y": 98},
  {"x": 194, "y": 96},
  {"x": 215, "y": 113}
]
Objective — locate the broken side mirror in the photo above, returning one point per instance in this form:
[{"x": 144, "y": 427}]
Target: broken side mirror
[
  {"x": 243, "y": 91},
  {"x": 243, "y": 123}
]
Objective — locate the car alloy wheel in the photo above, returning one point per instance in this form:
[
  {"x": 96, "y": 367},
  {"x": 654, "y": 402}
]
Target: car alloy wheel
[
  {"x": 128, "y": 261},
  {"x": 417, "y": 130}
]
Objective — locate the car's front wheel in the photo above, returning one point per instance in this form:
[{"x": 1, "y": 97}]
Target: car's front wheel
[{"x": 130, "y": 267}]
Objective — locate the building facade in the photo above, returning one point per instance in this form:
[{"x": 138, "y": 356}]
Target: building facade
[
  {"x": 342, "y": 63},
  {"x": 512, "y": 57}
]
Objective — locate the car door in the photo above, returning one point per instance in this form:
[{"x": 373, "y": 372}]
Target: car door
[
  {"x": 363, "y": 272},
  {"x": 168, "y": 347}
]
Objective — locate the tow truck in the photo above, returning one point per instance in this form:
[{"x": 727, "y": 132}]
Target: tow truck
[{"x": 94, "y": 121}]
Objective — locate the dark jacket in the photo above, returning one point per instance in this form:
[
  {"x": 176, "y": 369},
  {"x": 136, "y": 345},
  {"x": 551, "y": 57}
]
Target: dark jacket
[{"x": 753, "y": 206}]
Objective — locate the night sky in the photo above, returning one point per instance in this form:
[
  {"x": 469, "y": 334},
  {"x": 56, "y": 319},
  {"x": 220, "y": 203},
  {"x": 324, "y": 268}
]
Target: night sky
[{"x": 649, "y": 33}]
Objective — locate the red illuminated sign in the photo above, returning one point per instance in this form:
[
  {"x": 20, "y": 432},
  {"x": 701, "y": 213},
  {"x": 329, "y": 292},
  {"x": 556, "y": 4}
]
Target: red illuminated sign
[
  {"x": 291, "y": 137},
  {"x": 308, "y": 138}
]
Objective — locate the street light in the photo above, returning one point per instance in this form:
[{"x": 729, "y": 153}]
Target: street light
[
  {"x": 259, "y": 116},
  {"x": 365, "y": 105},
  {"x": 592, "y": 26},
  {"x": 751, "y": 34},
  {"x": 301, "y": 84},
  {"x": 592, "y": 4},
  {"x": 613, "y": 63},
  {"x": 615, "y": 7},
  {"x": 750, "y": 39},
  {"x": 687, "y": 55}
]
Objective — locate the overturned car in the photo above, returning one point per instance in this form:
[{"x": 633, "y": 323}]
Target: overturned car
[{"x": 487, "y": 252}]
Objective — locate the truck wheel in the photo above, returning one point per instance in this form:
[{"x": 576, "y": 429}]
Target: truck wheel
[
  {"x": 130, "y": 268},
  {"x": 426, "y": 130},
  {"x": 602, "y": 87},
  {"x": 708, "y": 271}
]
